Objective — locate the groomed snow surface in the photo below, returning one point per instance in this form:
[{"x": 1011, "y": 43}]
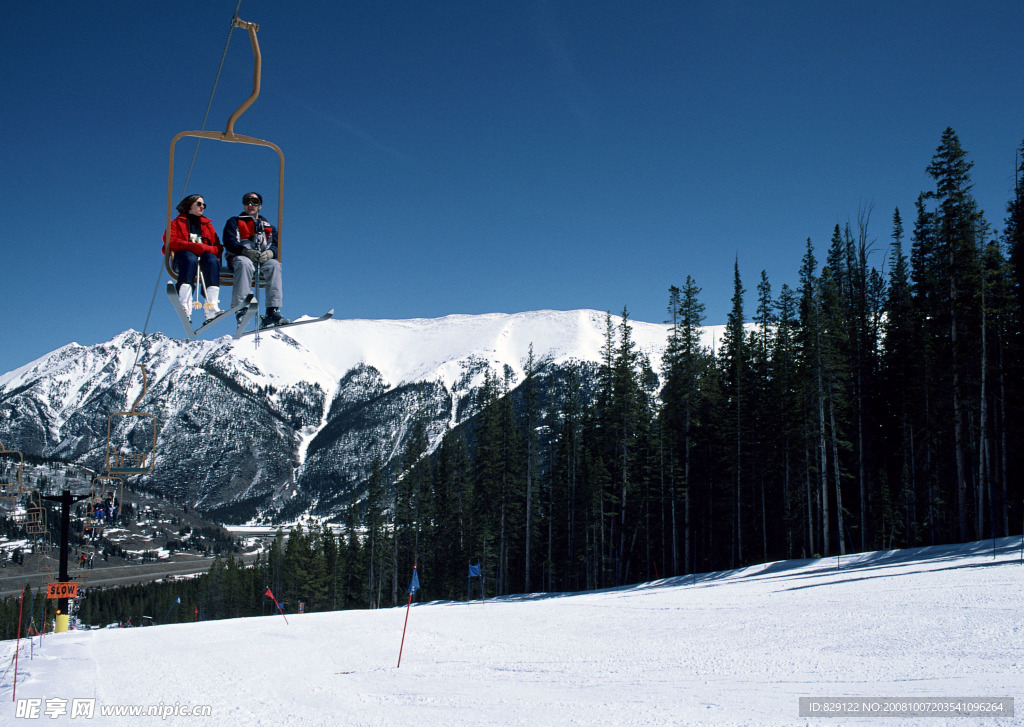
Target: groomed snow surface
[{"x": 730, "y": 648}]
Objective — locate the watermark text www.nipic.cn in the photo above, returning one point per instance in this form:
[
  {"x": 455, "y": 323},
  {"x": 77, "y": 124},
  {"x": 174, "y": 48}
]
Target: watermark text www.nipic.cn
[{"x": 54, "y": 707}]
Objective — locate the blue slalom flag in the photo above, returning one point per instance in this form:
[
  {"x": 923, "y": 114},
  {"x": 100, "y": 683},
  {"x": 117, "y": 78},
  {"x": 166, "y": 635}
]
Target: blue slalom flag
[
  {"x": 474, "y": 570},
  {"x": 414, "y": 584}
]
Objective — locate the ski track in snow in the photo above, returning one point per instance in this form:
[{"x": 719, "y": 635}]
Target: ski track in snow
[{"x": 729, "y": 648}]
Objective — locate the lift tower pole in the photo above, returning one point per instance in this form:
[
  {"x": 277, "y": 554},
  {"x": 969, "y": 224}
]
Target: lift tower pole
[{"x": 66, "y": 500}]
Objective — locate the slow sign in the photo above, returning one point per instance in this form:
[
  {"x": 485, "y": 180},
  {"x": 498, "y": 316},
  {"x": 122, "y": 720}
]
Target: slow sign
[{"x": 62, "y": 590}]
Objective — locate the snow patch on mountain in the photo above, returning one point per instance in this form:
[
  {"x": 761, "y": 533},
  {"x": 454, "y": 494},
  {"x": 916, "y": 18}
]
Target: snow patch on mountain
[{"x": 436, "y": 349}]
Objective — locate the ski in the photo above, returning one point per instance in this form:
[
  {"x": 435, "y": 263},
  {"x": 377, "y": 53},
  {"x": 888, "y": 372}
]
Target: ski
[
  {"x": 173, "y": 295},
  {"x": 252, "y": 308},
  {"x": 187, "y": 323},
  {"x": 223, "y": 314},
  {"x": 271, "y": 329}
]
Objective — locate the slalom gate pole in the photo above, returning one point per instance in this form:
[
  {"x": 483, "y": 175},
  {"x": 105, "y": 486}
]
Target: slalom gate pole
[
  {"x": 402, "y": 646},
  {"x": 413, "y": 586},
  {"x": 17, "y": 647},
  {"x": 270, "y": 594},
  {"x": 168, "y": 614}
]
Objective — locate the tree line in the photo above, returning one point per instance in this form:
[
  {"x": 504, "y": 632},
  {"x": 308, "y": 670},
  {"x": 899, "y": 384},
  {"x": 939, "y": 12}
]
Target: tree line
[{"x": 860, "y": 410}]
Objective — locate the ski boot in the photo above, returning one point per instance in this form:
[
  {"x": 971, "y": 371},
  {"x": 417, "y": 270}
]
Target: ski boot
[{"x": 273, "y": 318}]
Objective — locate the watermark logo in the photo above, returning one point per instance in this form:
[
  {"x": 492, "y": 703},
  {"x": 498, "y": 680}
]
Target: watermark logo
[{"x": 86, "y": 708}]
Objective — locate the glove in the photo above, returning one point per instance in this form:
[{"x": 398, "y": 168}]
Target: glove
[
  {"x": 253, "y": 255},
  {"x": 265, "y": 256}
]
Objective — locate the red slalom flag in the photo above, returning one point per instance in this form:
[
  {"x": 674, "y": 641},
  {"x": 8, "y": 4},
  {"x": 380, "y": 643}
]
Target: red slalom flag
[{"x": 270, "y": 595}]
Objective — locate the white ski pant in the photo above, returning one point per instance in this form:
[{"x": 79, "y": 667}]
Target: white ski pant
[{"x": 245, "y": 270}]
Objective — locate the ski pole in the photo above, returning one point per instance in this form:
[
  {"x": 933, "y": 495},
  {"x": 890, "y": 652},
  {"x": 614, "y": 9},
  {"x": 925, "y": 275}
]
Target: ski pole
[
  {"x": 256, "y": 284},
  {"x": 200, "y": 283}
]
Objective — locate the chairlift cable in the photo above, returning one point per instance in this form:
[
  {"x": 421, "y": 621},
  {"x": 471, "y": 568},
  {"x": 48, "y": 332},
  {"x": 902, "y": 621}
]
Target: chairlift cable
[
  {"x": 195, "y": 153},
  {"x": 213, "y": 92}
]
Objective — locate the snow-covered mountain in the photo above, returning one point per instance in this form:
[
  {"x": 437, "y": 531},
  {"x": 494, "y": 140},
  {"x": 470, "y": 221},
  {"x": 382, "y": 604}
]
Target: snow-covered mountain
[{"x": 245, "y": 427}]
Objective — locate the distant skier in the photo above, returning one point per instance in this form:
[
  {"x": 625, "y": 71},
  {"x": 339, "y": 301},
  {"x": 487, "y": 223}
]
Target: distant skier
[
  {"x": 251, "y": 241},
  {"x": 195, "y": 246}
]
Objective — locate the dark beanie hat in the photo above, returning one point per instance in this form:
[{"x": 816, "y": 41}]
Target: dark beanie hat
[{"x": 186, "y": 204}]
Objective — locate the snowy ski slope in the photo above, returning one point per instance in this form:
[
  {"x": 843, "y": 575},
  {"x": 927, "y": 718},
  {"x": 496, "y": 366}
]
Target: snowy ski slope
[{"x": 729, "y": 648}]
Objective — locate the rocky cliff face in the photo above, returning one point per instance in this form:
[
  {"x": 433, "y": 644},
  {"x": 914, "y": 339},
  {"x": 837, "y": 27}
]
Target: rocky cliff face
[{"x": 295, "y": 422}]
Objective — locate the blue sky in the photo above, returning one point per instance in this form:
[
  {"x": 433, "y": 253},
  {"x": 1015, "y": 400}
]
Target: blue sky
[{"x": 469, "y": 157}]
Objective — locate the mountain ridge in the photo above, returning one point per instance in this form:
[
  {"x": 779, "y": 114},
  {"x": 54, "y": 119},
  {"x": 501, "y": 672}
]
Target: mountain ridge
[{"x": 246, "y": 427}]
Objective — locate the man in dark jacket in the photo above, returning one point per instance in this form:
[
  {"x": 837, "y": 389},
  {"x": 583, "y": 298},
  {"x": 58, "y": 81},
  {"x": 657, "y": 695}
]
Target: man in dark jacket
[{"x": 250, "y": 242}]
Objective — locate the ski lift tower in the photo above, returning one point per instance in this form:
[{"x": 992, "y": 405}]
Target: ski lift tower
[{"x": 66, "y": 500}]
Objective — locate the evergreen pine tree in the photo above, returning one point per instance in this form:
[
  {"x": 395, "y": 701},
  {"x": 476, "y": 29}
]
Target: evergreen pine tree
[
  {"x": 734, "y": 364},
  {"x": 957, "y": 223}
]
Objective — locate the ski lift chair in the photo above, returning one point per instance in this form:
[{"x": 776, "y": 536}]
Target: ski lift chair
[
  {"x": 229, "y": 135},
  {"x": 11, "y": 464}
]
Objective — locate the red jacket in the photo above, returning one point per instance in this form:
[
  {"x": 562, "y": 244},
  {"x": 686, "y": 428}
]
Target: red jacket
[{"x": 180, "y": 238}]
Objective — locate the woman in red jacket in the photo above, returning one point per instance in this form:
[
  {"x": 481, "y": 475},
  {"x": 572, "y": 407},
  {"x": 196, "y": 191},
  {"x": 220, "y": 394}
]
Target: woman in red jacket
[{"x": 195, "y": 246}]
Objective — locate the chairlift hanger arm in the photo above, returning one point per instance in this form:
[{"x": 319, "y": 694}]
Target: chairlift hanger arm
[{"x": 257, "y": 72}]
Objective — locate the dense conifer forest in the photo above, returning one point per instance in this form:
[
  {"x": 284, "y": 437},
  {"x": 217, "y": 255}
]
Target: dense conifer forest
[{"x": 874, "y": 405}]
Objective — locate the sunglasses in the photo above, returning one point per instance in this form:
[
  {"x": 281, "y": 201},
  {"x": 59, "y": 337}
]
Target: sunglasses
[
  {"x": 201, "y": 204},
  {"x": 251, "y": 200}
]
